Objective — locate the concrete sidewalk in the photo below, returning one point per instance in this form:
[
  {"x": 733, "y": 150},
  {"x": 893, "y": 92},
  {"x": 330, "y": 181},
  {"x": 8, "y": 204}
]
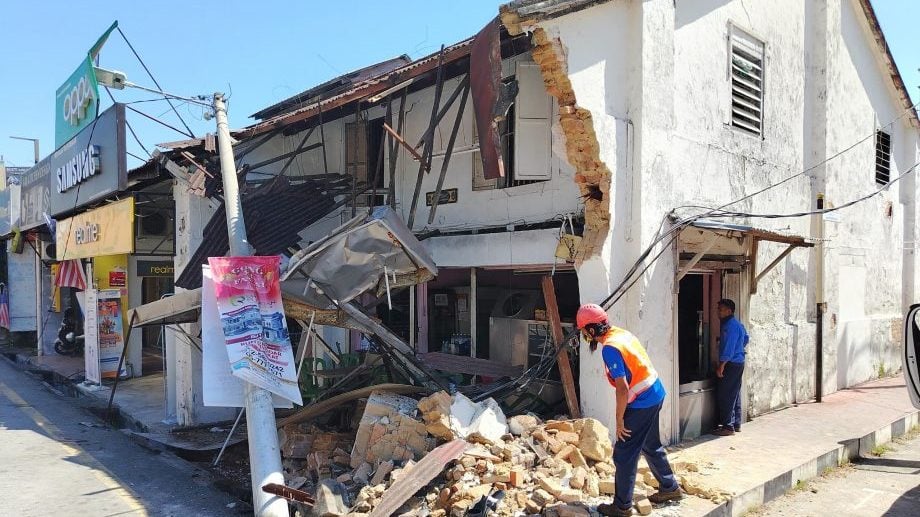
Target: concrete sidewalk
[{"x": 776, "y": 451}]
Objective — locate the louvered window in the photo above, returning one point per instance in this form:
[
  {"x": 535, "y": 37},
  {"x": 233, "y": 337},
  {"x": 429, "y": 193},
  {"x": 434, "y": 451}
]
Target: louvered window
[
  {"x": 747, "y": 81},
  {"x": 882, "y": 158}
]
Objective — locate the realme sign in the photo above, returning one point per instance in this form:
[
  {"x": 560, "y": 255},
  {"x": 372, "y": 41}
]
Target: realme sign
[{"x": 104, "y": 231}]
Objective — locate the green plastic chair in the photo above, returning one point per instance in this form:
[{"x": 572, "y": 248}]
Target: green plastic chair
[
  {"x": 309, "y": 383},
  {"x": 349, "y": 360}
]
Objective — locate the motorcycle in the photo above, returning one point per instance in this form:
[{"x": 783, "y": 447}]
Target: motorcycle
[{"x": 68, "y": 342}]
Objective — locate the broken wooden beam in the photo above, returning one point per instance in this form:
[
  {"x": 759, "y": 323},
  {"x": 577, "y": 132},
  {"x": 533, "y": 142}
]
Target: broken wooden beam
[
  {"x": 565, "y": 367},
  {"x": 291, "y": 494},
  {"x": 429, "y": 140},
  {"x": 402, "y": 141},
  {"x": 450, "y": 149}
]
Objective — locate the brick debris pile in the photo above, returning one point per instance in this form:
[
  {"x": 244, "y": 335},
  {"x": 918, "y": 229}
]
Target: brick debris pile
[{"x": 557, "y": 468}]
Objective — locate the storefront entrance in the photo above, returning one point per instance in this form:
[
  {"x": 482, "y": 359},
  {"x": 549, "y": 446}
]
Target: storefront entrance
[{"x": 153, "y": 344}]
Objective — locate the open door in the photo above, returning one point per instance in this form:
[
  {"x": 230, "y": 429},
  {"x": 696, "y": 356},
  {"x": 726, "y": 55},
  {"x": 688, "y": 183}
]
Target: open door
[{"x": 911, "y": 353}]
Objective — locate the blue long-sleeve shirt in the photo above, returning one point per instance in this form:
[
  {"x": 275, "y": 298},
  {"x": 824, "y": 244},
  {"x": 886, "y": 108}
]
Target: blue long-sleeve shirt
[{"x": 733, "y": 342}]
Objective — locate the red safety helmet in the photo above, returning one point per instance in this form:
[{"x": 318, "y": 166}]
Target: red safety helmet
[{"x": 590, "y": 313}]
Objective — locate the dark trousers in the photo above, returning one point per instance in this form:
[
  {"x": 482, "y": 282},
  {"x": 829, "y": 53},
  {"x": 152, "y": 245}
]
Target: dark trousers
[
  {"x": 645, "y": 440},
  {"x": 729, "y": 395}
]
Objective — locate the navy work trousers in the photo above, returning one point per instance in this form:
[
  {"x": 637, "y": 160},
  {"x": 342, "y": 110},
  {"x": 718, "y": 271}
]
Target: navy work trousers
[
  {"x": 645, "y": 440},
  {"x": 729, "y": 395}
]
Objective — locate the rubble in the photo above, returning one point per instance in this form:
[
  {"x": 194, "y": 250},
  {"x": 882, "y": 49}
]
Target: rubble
[{"x": 560, "y": 468}]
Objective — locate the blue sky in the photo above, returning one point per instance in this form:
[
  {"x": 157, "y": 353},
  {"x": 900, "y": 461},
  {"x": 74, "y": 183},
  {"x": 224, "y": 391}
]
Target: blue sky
[{"x": 259, "y": 52}]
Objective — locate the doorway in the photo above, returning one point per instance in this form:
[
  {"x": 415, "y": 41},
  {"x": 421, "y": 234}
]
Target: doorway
[
  {"x": 697, "y": 334},
  {"x": 153, "y": 341}
]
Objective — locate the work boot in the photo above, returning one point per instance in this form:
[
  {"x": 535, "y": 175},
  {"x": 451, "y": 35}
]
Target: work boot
[
  {"x": 664, "y": 497},
  {"x": 723, "y": 431},
  {"x": 612, "y": 510}
]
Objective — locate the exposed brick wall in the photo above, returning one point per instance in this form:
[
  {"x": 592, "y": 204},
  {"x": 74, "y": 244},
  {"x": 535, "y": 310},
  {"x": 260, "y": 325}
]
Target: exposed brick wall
[{"x": 582, "y": 148}]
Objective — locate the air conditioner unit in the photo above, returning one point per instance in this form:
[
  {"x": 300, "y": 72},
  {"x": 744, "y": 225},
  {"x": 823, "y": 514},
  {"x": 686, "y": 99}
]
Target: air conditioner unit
[{"x": 48, "y": 251}]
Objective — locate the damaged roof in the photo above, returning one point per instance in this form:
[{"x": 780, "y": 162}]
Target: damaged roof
[{"x": 332, "y": 87}]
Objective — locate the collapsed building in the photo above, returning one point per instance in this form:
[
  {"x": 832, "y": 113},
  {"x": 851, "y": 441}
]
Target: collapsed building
[{"x": 643, "y": 154}]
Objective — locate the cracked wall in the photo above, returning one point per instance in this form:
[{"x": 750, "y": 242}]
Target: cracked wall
[{"x": 582, "y": 149}]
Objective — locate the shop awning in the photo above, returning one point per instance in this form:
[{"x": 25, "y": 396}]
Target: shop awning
[
  {"x": 182, "y": 307},
  {"x": 720, "y": 238},
  {"x": 757, "y": 233}
]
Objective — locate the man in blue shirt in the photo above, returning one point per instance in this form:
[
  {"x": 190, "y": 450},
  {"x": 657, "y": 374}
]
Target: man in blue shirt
[{"x": 732, "y": 345}]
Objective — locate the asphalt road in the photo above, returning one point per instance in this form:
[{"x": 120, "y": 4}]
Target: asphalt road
[
  {"x": 888, "y": 485},
  {"x": 52, "y": 464}
]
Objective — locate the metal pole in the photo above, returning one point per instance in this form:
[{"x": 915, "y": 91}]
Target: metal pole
[
  {"x": 819, "y": 300},
  {"x": 264, "y": 452},
  {"x": 39, "y": 324}
]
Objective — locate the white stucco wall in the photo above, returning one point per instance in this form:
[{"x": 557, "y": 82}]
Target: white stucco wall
[{"x": 669, "y": 66}]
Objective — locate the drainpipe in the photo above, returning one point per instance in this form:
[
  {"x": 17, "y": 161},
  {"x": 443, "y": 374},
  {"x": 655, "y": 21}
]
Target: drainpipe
[{"x": 819, "y": 299}]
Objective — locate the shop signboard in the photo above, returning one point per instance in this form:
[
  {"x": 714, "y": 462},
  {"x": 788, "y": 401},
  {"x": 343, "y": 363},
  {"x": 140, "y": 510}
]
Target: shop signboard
[
  {"x": 35, "y": 195},
  {"x": 90, "y": 166},
  {"x": 220, "y": 387},
  {"x": 110, "y": 331},
  {"x": 108, "y": 230},
  {"x": 91, "y": 337},
  {"x": 9, "y": 198},
  {"x": 155, "y": 268},
  {"x": 77, "y": 100},
  {"x": 248, "y": 291},
  {"x": 87, "y": 168}
]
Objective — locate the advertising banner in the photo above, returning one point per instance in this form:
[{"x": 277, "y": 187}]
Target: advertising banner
[
  {"x": 108, "y": 230},
  {"x": 248, "y": 291},
  {"x": 110, "y": 331},
  {"x": 220, "y": 387},
  {"x": 91, "y": 337}
]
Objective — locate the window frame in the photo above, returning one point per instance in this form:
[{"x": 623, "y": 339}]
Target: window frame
[
  {"x": 749, "y": 36},
  {"x": 886, "y": 155}
]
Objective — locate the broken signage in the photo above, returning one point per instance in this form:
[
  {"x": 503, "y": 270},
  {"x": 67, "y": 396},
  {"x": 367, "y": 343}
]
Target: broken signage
[
  {"x": 248, "y": 294},
  {"x": 445, "y": 197}
]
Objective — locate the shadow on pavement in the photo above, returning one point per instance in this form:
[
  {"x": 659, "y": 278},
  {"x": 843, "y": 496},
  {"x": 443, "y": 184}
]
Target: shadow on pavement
[{"x": 906, "y": 505}]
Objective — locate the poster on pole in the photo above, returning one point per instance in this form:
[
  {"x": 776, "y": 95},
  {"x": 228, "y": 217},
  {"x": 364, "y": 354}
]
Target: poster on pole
[
  {"x": 220, "y": 387},
  {"x": 91, "y": 336},
  {"x": 110, "y": 329},
  {"x": 248, "y": 291}
]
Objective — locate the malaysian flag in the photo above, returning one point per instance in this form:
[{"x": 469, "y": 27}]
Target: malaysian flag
[
  {"x": 4, "y": 308},
  {"x": 70, "y": 274}
]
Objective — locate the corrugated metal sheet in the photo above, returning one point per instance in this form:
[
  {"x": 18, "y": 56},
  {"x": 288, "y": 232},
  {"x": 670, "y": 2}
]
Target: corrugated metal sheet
[
  {"x": 274, "y": 214},
  {"x": 363, "y": 89},
  {"x": 332, "y": 87}
]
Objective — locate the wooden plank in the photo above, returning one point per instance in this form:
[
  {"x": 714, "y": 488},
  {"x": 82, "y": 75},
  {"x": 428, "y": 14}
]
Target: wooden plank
[
  {"x": 450, "y": 149},
  {"x": 402, "y": 141},
  {"x": 430, "y": 467},
  {"x": 565, "y": 367},
  {"x": 429, "y": 142},
  {"x": 291, "y": 494}
]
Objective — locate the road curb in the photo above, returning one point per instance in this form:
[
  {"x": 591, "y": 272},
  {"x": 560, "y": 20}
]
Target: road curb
[{"x": 846, "y": 451}]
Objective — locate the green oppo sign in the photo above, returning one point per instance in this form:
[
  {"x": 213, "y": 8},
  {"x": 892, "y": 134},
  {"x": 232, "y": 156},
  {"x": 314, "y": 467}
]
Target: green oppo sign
[
  {"x": 77, "y": 100},
  {"x": 77, "y": 103}
]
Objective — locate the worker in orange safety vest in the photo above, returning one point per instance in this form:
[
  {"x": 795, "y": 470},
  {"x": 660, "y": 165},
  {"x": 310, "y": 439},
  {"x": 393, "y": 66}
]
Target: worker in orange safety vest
[{"x": 639, "y": 396}]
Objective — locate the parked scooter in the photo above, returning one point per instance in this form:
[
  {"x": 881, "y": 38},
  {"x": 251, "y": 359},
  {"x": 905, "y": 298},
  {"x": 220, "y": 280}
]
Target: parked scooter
[{"x": 68, "y": 341}]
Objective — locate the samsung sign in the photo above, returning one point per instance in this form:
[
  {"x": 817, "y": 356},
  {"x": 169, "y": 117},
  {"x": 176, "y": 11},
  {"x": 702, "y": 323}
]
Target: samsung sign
[
  {"x": 86, "y": 169},
  {"x": 79, "y": 169}
]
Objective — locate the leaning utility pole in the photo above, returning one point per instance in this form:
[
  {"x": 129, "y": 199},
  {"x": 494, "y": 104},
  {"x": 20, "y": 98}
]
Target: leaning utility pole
[{"x": 264, "y": 452}]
